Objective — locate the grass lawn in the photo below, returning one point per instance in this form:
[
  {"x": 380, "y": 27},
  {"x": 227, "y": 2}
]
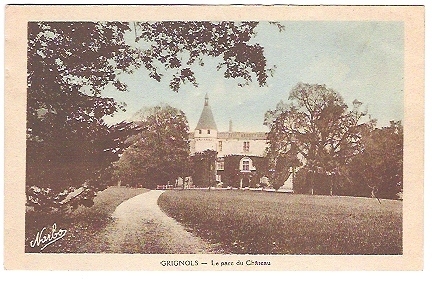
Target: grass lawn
[
  {"x": 247, "y": 222},
  {"x": 82, "y": 224}
]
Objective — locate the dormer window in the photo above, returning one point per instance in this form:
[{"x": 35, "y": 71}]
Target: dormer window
[
  {"x": 208, "y": 131},
  {"x": 246, "y": 165}
]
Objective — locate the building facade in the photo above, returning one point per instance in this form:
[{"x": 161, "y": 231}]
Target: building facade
[{"x": 240, "y": 155}]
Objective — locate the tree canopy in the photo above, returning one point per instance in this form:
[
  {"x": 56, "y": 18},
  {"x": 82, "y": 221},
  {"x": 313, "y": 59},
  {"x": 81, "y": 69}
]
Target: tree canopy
[
  {"x": 159, "y": 153},
  {"x": 317, "y": 128}
]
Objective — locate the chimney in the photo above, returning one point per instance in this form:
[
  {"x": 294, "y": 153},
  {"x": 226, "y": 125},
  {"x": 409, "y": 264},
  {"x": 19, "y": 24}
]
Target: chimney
[{"x": 230, "y": 126}]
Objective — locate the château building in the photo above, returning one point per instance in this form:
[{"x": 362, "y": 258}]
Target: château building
[{"x": 247, "y": 149}]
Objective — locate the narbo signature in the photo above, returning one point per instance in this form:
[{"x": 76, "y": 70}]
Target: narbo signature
[{"x": 46, "y": 238}]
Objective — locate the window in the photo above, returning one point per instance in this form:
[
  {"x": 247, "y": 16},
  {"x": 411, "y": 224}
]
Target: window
[
  {"x": 220, "y": 146},
  {"x": 220, "y": 165},
  {"x": 246, "y": 146},
  {"x": 245, "y": 165},
  {"x": 218, "y": 178},
  {"x": 208, "y": 131},
  {"x": 200, "y": 131}
]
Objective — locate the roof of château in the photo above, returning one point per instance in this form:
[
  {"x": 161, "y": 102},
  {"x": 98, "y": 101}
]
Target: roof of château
[
  {"x": 206, "y": 120},
  {"x": 238, "y": 135},
  {"x": 242, "y": 135}
]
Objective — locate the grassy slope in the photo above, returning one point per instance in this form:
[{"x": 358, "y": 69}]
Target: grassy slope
[
  {"x": 82, "y": 225},
  {"x": 277, "y": 223}
]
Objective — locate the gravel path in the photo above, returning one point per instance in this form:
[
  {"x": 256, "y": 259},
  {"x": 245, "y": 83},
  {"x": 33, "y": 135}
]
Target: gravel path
[{"x": 141, "y": 227}]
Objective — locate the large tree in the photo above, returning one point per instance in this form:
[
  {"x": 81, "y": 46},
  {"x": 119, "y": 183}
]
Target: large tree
[
  {"x": 70, "y": 63},
  {"x": 159, "y": 154},
  {"x": 318, "y": 127}
]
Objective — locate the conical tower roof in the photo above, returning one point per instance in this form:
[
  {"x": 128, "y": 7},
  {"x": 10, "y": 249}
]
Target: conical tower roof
[{"x": 206, "y": 120}]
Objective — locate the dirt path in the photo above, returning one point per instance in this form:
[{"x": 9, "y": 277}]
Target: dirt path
[{"x": 141, "y": 227}]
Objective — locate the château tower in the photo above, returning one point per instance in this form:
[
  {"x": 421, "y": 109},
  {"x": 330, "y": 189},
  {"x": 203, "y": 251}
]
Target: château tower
[{"x": 205, "y": 134}]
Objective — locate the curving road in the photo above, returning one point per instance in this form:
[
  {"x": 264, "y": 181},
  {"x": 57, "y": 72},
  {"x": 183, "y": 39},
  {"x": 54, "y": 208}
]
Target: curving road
[{"x": 141, "y": 227}]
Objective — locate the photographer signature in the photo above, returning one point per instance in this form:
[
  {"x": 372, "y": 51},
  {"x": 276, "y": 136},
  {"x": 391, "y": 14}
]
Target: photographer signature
[{"x": 46, "y": 238}]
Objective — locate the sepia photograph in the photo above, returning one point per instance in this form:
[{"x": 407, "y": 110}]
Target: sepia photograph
[{"x": 232, "y": 137}]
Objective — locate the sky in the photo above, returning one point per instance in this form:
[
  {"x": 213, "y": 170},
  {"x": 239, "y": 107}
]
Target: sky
[{"x": 360, "y": 60}]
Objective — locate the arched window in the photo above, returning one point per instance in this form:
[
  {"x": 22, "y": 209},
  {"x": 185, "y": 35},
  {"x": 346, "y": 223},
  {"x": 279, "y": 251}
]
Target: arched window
[{"x": 246, "y": 165}]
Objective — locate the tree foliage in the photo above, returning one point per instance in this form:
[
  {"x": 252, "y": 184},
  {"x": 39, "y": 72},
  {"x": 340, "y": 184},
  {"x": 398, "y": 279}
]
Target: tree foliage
[
  {"x": 379, "y": 168},
  {"x": 282, "y": 151},
  {"x": 177, "y": 46},
  {"x": 159, "y": 154},
  {"x": 68, "y": 143},
  {"x": 203, "y": 168}
]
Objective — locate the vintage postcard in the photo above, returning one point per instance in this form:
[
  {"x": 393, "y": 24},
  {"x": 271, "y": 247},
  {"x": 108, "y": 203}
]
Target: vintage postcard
[{"x": 214, "y": 137}]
